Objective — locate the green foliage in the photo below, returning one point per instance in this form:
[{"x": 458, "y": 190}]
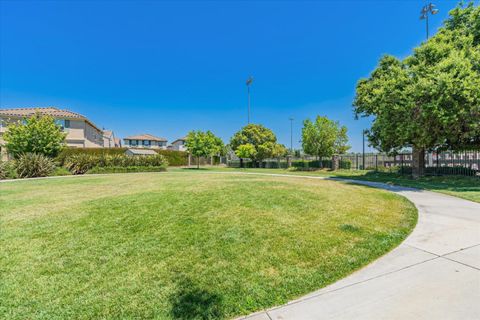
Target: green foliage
[
  {"x": 324, "y": 137},
  {"x": 32, "y": 165},
  {"x": 3, "y": 170},
  {"x": 246, "y": 151},
  {"x": 431, "y": 99},
  {"x": 116, "y": 169},
  {"x": 204, "y": 144},
  {"x": 61, "y": 171},
  {"x": 39, "y": 134},
  {"x": 7, "y": 170},
  {"x": 263, "y": 141},
  {"x": 81, "y": 163},
  {"x": 174, "y": 157}
]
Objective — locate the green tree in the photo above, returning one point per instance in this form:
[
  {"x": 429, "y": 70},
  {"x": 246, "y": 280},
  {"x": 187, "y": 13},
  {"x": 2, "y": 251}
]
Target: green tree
[
  {"x": 245, "y": 151},
  {"x": 262, "y": 139},
  {"x": 324, "y": 137},
  {"x": 37, "y": 134},
  {"x": 431, "y": 99},
  {"x": 203, "y": 144}
]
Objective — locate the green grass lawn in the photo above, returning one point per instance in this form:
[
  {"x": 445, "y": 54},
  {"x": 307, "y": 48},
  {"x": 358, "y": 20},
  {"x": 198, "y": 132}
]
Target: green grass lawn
[
  {"x": 189, "y": 245},
  {"x": 458, "y": 186}
]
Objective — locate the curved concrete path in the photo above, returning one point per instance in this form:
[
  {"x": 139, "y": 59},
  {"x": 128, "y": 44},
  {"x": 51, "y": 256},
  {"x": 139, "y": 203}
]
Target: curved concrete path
[{"x": 433, "y": 274}]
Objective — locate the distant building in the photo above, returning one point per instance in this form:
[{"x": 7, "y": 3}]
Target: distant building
[
  {"x": 145, "y": 141},
  {"x": 81, "y": 132},
  {"x": 179, "y": 144},
  {"x": 140, "y": 152},
  {"x": 109, "y": 140}
]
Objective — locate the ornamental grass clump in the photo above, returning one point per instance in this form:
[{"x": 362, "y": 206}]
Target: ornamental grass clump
[{"x": 31, "y": 165}]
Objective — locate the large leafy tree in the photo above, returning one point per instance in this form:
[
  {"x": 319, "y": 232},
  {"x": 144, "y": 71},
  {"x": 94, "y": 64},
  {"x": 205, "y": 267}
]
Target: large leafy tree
[
  {"x": 431, "y": 99},
  {"x": 324, "y": 137},
  {"x": 37, "y": 134},
  {"x": 203, "y": 144},
  {"x": 262, "y": 139}
]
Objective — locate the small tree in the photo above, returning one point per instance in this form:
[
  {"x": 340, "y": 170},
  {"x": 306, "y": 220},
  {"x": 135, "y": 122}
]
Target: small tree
[
  {"x": 263, "y": 140},
  {"x": 245, "y": 151},
  {"x": 324, "y": 137},
  {"x": 279, "y": 151},
  {"x": 203, "y": 144},
  {"x": 37, "y": 134}
]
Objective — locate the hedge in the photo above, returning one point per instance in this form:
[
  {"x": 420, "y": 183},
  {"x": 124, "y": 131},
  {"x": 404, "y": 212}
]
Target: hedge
[
  {"x": 174, "y": 158},
  {"x": 82, "y": 162}
]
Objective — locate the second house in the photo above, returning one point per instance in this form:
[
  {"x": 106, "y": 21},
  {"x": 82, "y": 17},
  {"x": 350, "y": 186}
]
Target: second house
[{"x": 145, "y": 141}]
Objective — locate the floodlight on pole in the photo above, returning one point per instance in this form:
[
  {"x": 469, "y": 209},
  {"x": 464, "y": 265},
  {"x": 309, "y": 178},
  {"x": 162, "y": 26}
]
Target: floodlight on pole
[
  {"x": 428, "y": 9},
  {"x": 249, "y": 83}
]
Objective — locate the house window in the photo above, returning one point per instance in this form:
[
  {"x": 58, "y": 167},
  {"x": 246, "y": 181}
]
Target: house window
[
  {"x": 146, "y": 143},
  {"x": 133, "y": 142},
  {"x": 62, "y": 123}
]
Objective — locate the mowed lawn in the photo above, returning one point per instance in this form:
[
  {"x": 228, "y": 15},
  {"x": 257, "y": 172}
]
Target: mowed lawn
[
  {"x": 184, "y": 245},
  {"x": 459, "y": 186}
]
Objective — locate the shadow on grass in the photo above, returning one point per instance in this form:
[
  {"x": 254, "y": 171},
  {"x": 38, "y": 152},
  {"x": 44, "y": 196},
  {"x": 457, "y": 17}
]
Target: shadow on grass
[{"x": 192, "y": 302}]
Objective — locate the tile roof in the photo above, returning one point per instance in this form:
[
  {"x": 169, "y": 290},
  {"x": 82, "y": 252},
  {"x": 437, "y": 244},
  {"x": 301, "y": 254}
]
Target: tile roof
[
  {"x": 46, "y": 111},
  {"x": 144, "y": 136},
  {"x": 50, "y": 111}
]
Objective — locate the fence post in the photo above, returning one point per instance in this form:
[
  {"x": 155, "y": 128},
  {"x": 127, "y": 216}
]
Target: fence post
[{"x": 376, "y": 162}]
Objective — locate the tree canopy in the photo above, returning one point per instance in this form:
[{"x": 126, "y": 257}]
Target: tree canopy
[
  {"x": 261, "y": 142},
  {"x": 431, "y": 99},
  {"x": 37, "y": 134},
  {"x": 324, "y": 137},
  {"x": 204, "y": 144}
]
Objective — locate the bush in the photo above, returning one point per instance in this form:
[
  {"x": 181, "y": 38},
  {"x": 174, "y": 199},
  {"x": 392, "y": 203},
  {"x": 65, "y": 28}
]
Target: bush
[
  {"x": 31, "y": 165},
  {"x": 102, "y": 170},
  {"x": 82, "y": 162},
  {"x": 60, "y": 171},
  {"x": 174, "y": 158},
  {"x": 3, "y": 170}
]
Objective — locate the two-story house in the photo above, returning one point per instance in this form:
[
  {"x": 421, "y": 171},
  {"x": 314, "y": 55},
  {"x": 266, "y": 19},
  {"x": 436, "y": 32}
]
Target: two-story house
[
  {"x": 145, "y": 141},
  {"x": 81, "y": 132},
  {"x": 179, "y": 144}
]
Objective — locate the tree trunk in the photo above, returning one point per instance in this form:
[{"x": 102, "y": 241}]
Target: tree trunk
[
  {"x": 418, "y": 162},
  {"x": 335, "y": 163},
  {"x": 241, "y": 162},
  {"x": 198, "y": 162}
]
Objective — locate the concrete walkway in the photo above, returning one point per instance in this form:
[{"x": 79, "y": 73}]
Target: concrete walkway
[{"x": 433, "y": 274}]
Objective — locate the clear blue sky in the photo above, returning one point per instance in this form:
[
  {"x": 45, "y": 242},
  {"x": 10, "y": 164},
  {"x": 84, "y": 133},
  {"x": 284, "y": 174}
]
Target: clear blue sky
[{"x": 169, "y": 67}]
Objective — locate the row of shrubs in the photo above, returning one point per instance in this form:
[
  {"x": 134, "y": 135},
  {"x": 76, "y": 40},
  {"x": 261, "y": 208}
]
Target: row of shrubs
[
  {"x": 316, "y": 164},
  {"x": 31, "y": 165},
  {"x": 174, "y": 158},
  {"x": 81, "y": 163}
]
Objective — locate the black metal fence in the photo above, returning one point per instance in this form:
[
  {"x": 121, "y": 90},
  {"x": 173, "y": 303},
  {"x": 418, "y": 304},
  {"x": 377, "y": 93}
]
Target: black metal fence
[{"x": 465, "y": 163}]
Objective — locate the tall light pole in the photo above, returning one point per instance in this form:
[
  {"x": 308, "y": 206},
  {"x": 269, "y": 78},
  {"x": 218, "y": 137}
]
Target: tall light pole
[
  {"x": 291, "y": 134},
  {"x": 428, "y": 9},
  {"x": 249, "y": 83}
]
